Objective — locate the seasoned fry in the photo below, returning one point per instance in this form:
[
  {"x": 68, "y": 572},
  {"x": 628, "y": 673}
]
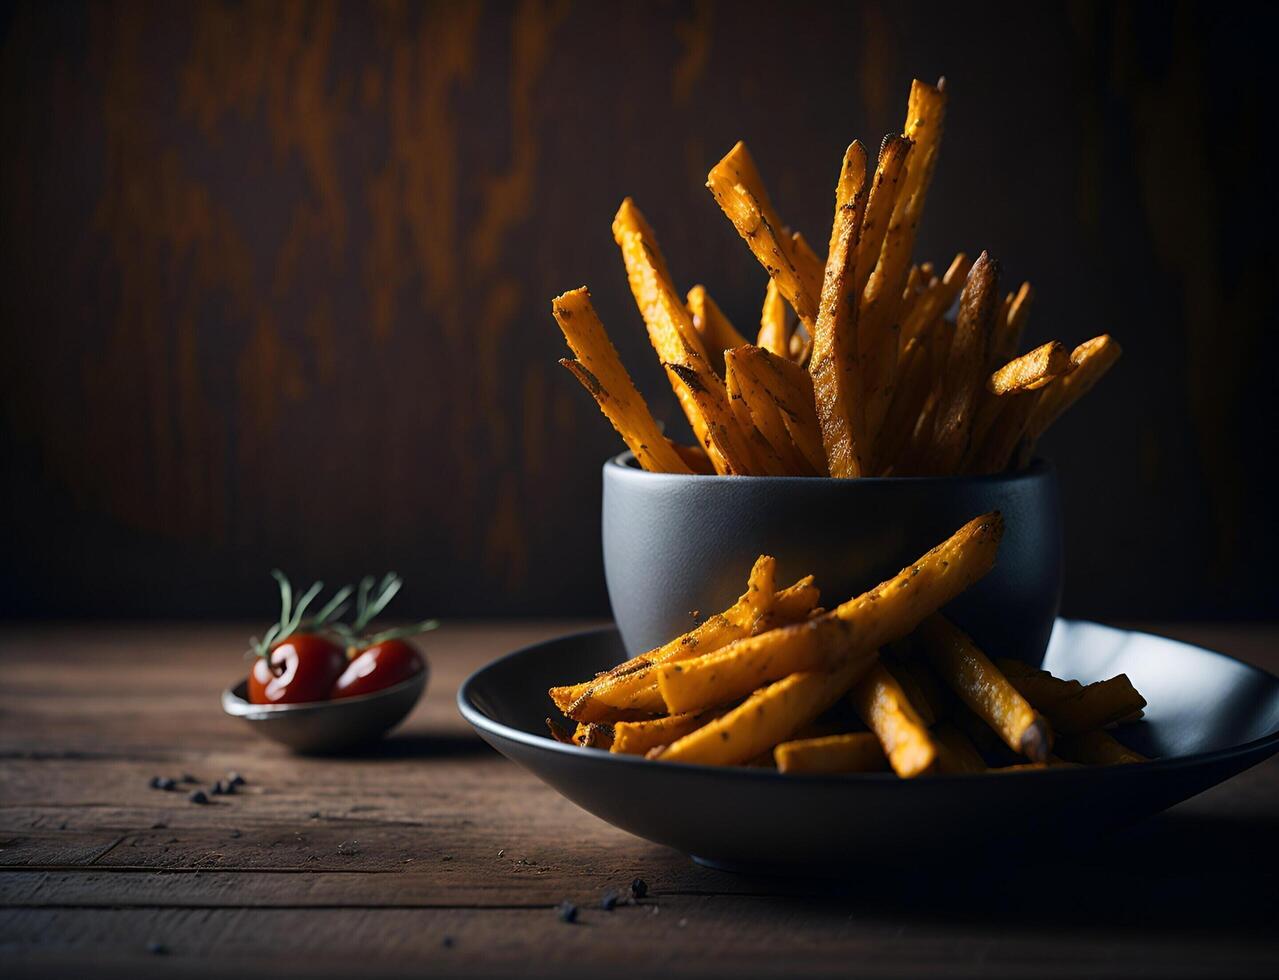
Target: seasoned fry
[
  {"x": 834, "y": 365},
  {"x": 600, "y": 371},
  {"x": 621, "y": 686},
  {"x": 1012, "y": 322},
  {"x": 765, "y": 718},
  {"x": 877, "y": 337},
  {"x": 775, "y": 328},
  {"x": 955, "y": 750},
  {"x": 925, "y": 116},
  {"x": 1032, "y": 371},
  {"x": 996, "y": 436},
  {"x": 735, "y": 184},
  {"x": 637, "y": 737},
  {"x": 761, "y": 408},
  {"x": 914, "y": 377},
  {"x": 1098, "y": 748},
  {"x": 903, "y": 734},
  {"x": 987, "y": 692},
  {"x": 791, "y": 388},
  {"x": 717, "y": 333},
  {"x": 935, "y": 300},
  {"x": 966, "y": 364},
  {"x": 1090, "y": 360},
  {"x": 1073, "y": 707},
  {"x": 694, "y": 457},
  {"x": 764, "y": 459},
  {"x": 852, "y": 631},
  {"x": 593, "y": 736},
  {"x": 854, "y": 752},
  {"x": 679, "y": 346}
]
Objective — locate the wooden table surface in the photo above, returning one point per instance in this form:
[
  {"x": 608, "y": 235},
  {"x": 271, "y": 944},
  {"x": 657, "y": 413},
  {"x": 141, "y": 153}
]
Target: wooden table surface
[{"x": 432, "y": 854}]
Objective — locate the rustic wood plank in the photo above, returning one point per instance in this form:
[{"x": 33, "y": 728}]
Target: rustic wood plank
[{"x": 433, "y": 834}]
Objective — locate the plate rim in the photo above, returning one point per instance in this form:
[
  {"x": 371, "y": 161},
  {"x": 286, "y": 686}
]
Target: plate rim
[{"x": 482, "y": 723}]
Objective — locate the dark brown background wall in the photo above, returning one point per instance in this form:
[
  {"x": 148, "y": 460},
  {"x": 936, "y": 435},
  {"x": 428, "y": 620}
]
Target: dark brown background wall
[{"x": 276, "y": 277}]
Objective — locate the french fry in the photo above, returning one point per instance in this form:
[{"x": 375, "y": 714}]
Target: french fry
[
  {"x": 762, "y": 411},
  {"x": 791, "y": 389},
  {"x": 679, "y": 346},
  {"x": 600, "y": 371},
  {"x": 910, "y": 394},
  {"x": 877, "y": 337},
  {"x": 1031, "y": 371},
  {"x": 593, "y": 736},
  {"x": 852, "y": 631},
  {"x": 903, "y": 734},
  {"x": 971, "y": 675},
  {"x": 638, "y": 737},
  {"x": 1073, "y": 708},
  {"x": 955, "y": 750},
  {"x": 995, "y": 437},
  {"x": 765, "y": 718},
  {"x": 728, "y": 436},
  {"x": 1012, "y": 322},
  {"x": 1098, "y": 748},
  {"x": 1090, "y": 360},
  {"x": 910, "y": 685},
  {"x": 717, "y": 332},
  {"x": 620, "y": 687},
  {"x": 736, "y": 185},
  {"x": 694, "y": 457},
  {"x": 965, "y": 366},
  {"x": 925, "y": 117},
  {"x": 834, "y": 365},
  {"x": 854, "y": 752},
  {"x": 936, "y": 299},
  {"x": 764, "y": 459},
  {"x": 775, "y": 329}
]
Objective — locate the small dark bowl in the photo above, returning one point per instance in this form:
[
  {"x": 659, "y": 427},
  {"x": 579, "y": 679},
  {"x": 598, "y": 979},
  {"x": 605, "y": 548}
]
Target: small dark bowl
[
  {"x": 674, "y": 544},
  {"x": 327, "y": 726}
]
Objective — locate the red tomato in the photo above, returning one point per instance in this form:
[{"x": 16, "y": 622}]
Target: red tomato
[
  {"x": 303, "y": 668},
  {"x": 379, "y": 666}
]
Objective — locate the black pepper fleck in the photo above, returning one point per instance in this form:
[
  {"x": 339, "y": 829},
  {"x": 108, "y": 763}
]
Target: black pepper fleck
[
  {"x": 639, "y": 888},
  {"x": 609, "y": 901},
  {"x": 198, "y": 797},
  {"x": 567, "y": 911}
]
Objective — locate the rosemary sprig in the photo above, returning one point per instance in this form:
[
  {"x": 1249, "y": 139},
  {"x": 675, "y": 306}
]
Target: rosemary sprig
[{"x": 292, "y": 614}]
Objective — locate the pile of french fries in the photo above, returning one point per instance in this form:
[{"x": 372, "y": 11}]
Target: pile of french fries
[
  {"x": 857, "y": 367},
  {"x": 883, "y": 680}
]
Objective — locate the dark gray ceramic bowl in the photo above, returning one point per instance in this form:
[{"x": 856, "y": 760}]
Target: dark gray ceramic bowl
[{"x": 674, "y": 544}]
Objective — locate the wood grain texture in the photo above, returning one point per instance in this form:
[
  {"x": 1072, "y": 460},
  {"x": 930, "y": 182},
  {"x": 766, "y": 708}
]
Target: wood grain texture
[
  {"x": 430, "y": 853},
  {"x": 278, "y": 267}
]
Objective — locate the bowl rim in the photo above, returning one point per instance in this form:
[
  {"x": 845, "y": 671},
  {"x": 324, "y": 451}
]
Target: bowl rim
[
  {"x": 624, "y": 466},
  {"x": 483, "y": 723},
  {"x": 238, "y": 706}
]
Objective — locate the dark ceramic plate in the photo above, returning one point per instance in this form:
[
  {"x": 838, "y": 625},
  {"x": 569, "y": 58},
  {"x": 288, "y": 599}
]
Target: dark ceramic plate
[{"x": 1209, "y": 717}]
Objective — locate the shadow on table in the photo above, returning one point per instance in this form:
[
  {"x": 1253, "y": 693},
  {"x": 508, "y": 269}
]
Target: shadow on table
[
  {"x": 1171, "y": 873},
  {"x": 421, "y": 745}
]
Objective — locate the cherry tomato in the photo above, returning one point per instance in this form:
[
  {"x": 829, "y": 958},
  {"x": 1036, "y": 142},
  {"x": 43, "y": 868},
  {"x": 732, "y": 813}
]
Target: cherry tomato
[
  {"x": 303, "y": 668},
  {"x": 379, "y": 666}
]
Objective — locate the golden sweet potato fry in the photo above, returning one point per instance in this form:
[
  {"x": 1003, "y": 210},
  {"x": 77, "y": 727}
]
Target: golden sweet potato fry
[
  {"x": 925, "y": 116},
  {"x": 955, "y": 750},
  {"x": 1031, "y": 371},
  {"x": 965, "y": 367},
  {"x": 679, "y": 346},
  {"x": 1098, "y": 748},
  {"x": 765, "y": 718},
  {"x": 601, "y": 373},
  {"x": 775, "y": 327},
  {"x": 1012, "y": 322},
  {"x": 623, "y": 686},
  {"x": 903, "y": 734},
  {"x": 910, "y": 395},
  {"x": 1090, "y": 360},
  {"x": 745, "y": 391},
  {"x": 736, "y": 185},
  {"x": 729, "y": 437},
  {"x": 935, "y": 300},
  {"x": 791, "y": 390},
  {"x": 717, "y": 332},
  {"x": 764, "y": 459},
  {"x": 855, "y": 629},
  {"x": 854, "y": 752},
  {"x": 1073, "y": 708},
  {"x": 694, "y": 457},
  {"x": 879, "y": 328},
  {"x": 971, "y": 675},
  {"x": 638, "y": 737},
  {"x": 593, "y": 736},
  {"x": 998, "y": 430},
  {"x": 834, "y": 365}
]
